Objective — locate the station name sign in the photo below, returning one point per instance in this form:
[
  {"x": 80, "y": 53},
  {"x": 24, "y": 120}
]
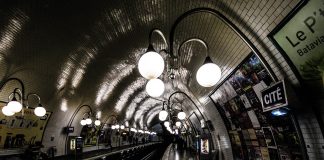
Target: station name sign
[{"x": 274, "y": 97}]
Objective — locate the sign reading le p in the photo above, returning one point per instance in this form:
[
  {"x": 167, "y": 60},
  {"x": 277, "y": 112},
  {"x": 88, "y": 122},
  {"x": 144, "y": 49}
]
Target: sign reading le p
[{"x": 274, "y": 97}]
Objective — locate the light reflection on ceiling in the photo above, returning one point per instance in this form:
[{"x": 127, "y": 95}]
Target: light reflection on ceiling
[
  {"x": 101, "y": 70},
  {"x": 128, "y": 92},
  {"x": 152, "y": 113},
  {"x": 131, "y": 108},
  {"x": 110, "y": 81},
  {"x": 12, "y": 29}
]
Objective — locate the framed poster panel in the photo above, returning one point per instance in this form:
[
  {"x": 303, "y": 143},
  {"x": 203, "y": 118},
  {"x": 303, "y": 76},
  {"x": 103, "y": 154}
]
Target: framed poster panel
[
  {"x": 300, "y": 39},
  {"x": 25, "y": 130}
]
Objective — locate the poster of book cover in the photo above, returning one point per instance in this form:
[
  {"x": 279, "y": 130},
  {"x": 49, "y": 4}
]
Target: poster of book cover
[
  {"x": 17, "y": 131},
  {"x": 239, "y": 101}
]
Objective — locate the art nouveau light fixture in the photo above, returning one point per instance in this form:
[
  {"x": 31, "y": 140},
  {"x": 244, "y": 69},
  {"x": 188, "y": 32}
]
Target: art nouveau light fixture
[
  {"x": 83, "y": 122},
  {"x": 208, "y": 74},
  {"x": 178, "y": 124},
  {"x": 151, "y": 64},
  {"x": 163, "y": 114},
  {"x": 7, "y": 112},
  {"x": 155, "y": 87},
  {"x": 88, "y": 120},
  {"x": 167, "y": 124},
  {"x": 39, "y": 111},
  {"x": 181, "y": 115},
  {"x": 14, "y": 105},
  {"x": 97, "y": 122}
]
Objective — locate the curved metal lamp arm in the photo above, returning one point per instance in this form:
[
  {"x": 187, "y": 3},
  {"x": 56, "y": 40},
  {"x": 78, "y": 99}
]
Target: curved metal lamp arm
[
  {"x": 32, "y": 94},
  {"x": 76, "y": 112},
  {"x": 161, "y": 34},
  {"x": 71, "y": 120},
  {"x": 16, "y": 91},
  {"x": 108, "y": 119},
  {"x": 192, "y": 40},
  {"x": 19, "y": 92},
  {"x": 2, "y": 84},
  {"x": 230, "y": 24},
  {"x": 88, "y": 113},
  {"x": 180, "y": 92}
]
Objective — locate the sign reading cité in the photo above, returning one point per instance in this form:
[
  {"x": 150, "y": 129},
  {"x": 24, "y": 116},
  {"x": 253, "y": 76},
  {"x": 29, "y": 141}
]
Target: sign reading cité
[
  {"x": 302, "y": 39},
  {"x": 274, "y": 97}
]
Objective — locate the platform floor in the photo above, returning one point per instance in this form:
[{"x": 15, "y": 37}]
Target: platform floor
[{"x": 174, "y": 153}]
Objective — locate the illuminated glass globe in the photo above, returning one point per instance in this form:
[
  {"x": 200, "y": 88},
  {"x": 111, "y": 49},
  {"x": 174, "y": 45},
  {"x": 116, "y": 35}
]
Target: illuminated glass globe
[
  {"x": 88, "y": 121},
  {"x": 113, "y": 127},
  {"x": 83, "y": 122},
  {"x": 208, "y": 74},
  {"x": 155, "y": 87},
  {"x": 181, "y": 115},
  {"x": 122, "y": 127},
  {"x": 178, "y": 124},
  {"x": 167, "y": 124},
  {"x": 163, "y": 115},
  {"x": 151, "y": 65},
  {"x": 97, "y": 122},
  {"x": 117, "y": 126},
  {"x": 7, "y": 112},
  {"x": 40, "y": 111},
  {"x": 14, "y": 106}
]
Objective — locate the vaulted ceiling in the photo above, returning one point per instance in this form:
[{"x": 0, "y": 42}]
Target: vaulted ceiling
[{"x": 86, "y": 52}]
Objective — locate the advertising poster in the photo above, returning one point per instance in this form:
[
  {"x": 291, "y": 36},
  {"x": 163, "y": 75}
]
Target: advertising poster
[
  {"x": 271, "y": 143},
  {"x": 239, "y": 100},
  {"x": 204, "y": 149},
  {"x": 17, "y": 131},
  {"x": 236, "y": 144},
  {"x": 90, "y": 135},
  {"x": 265, "y": 153},
  {"x": 301, "y": 39}
]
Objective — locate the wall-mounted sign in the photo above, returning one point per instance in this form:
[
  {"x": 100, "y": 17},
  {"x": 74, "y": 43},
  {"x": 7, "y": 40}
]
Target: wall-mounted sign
[
  {"x": 204, "y": 149},
  {"x": 274, "y": 97},
  {"x": 69, "y": 129},
  {"x": 301, "y": 37},
  {"x": 72, "y": 145}
]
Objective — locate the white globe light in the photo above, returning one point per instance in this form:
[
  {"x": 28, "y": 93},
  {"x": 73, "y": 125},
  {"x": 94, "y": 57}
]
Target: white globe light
[
  {"x": 113, "y": 127},
  {"x": 14, "y": 106},
  {"x": 97, "y": 122},
  {"x": 178, "y": 124},
  {"x": 40, "y": 111},
  {"x": 151, "y": 65},
  {"x": 167, "y": 124},
  {"x": 83, "y": 122},
  {"x": 88, "y": 121},
  {"x": 117, "y": 126},
  {"x": 181, "y": 115},
  {"x": 122, "y": 127},
  {"x": 208, "y": 75},
  {"x": 7, "y": 112},
  {"x": 155, "y": 87},
  {"x": 163, "y": 115}
]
